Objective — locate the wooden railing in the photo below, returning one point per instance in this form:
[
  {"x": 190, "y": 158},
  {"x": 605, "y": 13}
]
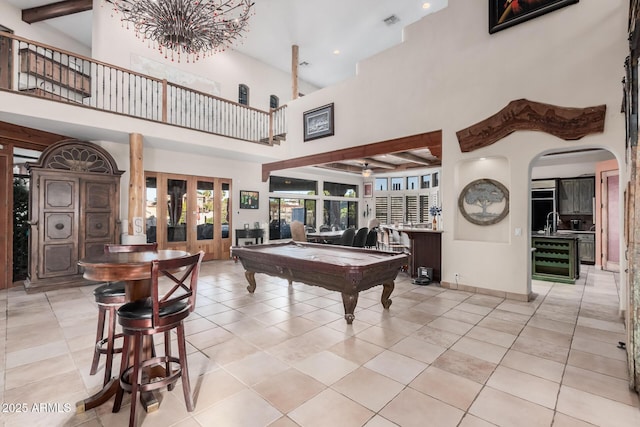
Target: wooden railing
[{"x": 37, "y": 69}]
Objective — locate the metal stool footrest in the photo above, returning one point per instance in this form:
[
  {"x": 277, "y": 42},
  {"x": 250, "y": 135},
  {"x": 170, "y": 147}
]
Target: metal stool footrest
[
  {"x": 102, "y": 350},
  {"x": 153, "y": 382}
]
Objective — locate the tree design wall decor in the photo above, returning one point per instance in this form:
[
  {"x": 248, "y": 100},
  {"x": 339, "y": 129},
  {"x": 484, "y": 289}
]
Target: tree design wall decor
[{"x": 484, "y": 202}]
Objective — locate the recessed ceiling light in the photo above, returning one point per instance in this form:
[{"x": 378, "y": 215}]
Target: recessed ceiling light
[
  {"x": 426, "y": 5},
  {"x": 336, "y": 52}
]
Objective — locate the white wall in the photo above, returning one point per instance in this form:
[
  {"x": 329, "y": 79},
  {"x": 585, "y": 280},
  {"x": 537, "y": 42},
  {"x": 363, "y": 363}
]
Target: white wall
[
  {"x": 228, "y": 68},
  {"x": 451, "y": 73},
  {"x": 11, "y": 17}
]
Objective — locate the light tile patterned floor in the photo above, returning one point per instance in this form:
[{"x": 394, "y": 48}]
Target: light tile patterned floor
[{"x": 284, "y": 356}]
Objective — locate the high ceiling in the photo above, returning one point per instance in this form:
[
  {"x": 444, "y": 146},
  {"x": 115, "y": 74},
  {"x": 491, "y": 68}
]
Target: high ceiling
[{"x": 356, "y": 28}]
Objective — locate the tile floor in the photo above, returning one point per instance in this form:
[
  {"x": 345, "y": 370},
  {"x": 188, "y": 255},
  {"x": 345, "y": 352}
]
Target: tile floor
[{"x": 284, "y": 356}]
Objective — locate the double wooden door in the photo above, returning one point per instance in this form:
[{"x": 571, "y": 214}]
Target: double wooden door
[{"x": 190, "y": 213}]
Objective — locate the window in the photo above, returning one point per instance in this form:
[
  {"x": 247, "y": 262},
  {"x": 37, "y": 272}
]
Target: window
[
  {"x": 279, "y": 184},
  {"x": 340, "y": 214},
  {"x": 397, "y": 209},
  {"x": 411, "y": 212},
  {"x": 283, "y": 211},
  {"x": 274, "y": 102},
  {"x": 412, "y": 183},
  {"x": 434, "y": 176},
  {"x": 397, "y": 184},
  {"x": 382, "y": 209},
  {"x": 424, "y": 208},
  {"x": 381, "y": 184},
  {"x": 426, "y": 181},
  {"x": 340, "y": 190},
  {"x": 243, "y": 94}
]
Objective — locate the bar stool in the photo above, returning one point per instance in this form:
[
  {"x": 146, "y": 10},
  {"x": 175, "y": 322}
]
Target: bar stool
[
  {"x": 109, "y": 297},
  {"x": 160, "y": 313}
]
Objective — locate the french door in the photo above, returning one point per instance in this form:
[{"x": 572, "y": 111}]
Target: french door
[{"x": 190, "y": 213}]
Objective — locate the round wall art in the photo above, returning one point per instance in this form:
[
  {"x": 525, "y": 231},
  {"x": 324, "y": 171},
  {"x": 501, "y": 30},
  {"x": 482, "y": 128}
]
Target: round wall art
[{"x": 484, "y": 202}]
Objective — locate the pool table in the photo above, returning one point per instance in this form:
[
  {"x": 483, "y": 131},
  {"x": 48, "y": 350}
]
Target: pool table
[{"x": 338, "y": 268}]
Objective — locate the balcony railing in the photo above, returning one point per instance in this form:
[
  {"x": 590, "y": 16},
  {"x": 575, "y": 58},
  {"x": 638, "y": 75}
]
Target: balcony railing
[{"x": 40, "y": 70}]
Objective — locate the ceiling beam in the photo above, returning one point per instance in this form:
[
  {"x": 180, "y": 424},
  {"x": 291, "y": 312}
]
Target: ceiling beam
[
  {"x": 413, "y": 158},
  {"x": 378, "y": 164},
  {"x": 25, "y": 137},
  {"x": 430, "y": 140},
  {"x": 55, "y": 10}
]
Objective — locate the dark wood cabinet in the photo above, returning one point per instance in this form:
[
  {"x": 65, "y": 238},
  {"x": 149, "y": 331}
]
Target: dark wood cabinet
[
  {"x": 575, "y": 196},
  {"x": 74, "y": 209}
]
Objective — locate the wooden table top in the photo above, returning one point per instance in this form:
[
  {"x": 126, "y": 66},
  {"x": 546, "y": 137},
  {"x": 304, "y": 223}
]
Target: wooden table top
[{"x": 124, "y": 266}]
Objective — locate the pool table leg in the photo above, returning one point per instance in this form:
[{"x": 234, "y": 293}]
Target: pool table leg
[
  {"x": 349, "y": 301},
  {"x": 251, "y": 278},
  {"x": 387, "y": 288}
]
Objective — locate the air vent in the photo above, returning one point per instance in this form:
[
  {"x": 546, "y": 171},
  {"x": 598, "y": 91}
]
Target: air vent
[{"x": 393, "y": 19}]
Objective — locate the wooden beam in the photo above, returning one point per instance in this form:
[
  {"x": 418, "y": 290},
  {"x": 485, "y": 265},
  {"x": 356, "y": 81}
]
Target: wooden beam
[
  {"x": 413, "y": 158},
  {"x": 55, "y": 10},
  {"x": 430, "y": 140},
  {"x": 295, "y": 55},
  {"x": 566, "y": 123},
  {"x": 25, "y": 137}
]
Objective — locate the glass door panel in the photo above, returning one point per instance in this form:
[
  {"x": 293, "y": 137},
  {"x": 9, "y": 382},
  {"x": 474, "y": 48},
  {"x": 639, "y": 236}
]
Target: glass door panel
[
  {"x": 204, "y": 219},
  {"x": 194, "y": 213},
  {"x": 151, "y": 208},
  {"x": 224, "y": 209},
  {"x": 176, "y": 210}
]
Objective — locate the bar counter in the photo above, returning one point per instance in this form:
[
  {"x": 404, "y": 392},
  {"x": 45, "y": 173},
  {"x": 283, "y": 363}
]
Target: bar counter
[{"x": 425, "y": 247}]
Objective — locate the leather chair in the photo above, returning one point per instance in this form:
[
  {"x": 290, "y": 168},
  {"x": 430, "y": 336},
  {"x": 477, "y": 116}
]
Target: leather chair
[
  {"x": 162, "y": 312},
  {"x": 109, "y": 297},
  {"x": 298, "y": 233},
  {"x": 360, "y": 237},
  {"x": 372, "y": 238},
  {"x": 347, "y": 237}
]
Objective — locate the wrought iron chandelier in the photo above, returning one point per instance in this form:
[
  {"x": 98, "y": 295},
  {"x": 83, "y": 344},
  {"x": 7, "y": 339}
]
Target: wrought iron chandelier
[{"x": 191, "y": 27}]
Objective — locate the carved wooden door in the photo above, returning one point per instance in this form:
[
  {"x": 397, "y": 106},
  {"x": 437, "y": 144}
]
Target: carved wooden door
[
  {"x": 97, "y": 215},
  {"x": 58, "y": 225}
]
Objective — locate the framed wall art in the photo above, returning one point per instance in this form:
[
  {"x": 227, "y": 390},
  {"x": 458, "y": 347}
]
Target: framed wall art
[
  {"x": 484, "y": 202},
  {"x": 318, "y": 123},
  {"x": 507, "y": 13},
  {"x": 368, "y": 189},
  {"x": 249, "y": 199}
]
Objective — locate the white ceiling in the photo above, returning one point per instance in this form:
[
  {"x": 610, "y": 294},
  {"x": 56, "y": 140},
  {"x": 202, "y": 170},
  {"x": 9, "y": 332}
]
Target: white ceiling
[{"x": 354, "y": 27}]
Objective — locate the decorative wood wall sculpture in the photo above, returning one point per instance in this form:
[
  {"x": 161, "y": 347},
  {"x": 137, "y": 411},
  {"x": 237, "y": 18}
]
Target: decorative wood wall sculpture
[{"x": 565, "y": 123}]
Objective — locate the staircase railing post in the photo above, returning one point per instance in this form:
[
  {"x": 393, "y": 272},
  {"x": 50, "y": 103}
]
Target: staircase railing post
[{"x": 164, "y": 100}]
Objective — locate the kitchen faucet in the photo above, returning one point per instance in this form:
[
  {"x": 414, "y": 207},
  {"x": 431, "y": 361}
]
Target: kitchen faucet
[{"x": 552, "y": 227}]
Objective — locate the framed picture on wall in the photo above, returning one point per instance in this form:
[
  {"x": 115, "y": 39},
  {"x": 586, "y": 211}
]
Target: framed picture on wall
[
  {"x": 249, "y": 199},
  {"x": 368, "y": 189},
  {"x": 318, "y": 123},
  {"x": 507, "y": 13}
]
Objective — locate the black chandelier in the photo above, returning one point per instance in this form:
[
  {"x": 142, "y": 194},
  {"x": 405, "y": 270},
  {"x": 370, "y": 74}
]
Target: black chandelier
[{"x": 191, "y": 27}]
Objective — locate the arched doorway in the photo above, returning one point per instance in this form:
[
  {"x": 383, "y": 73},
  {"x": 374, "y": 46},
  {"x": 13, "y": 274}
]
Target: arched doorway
[{"x": 582, "y": 187}]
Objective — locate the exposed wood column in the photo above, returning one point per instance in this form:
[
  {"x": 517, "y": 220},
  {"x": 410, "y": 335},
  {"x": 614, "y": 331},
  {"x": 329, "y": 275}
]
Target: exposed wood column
[
  {"x": 294, "y": 71},
  {"x": 6, "y": 219},
  {"x": 136, "y": 186}
]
